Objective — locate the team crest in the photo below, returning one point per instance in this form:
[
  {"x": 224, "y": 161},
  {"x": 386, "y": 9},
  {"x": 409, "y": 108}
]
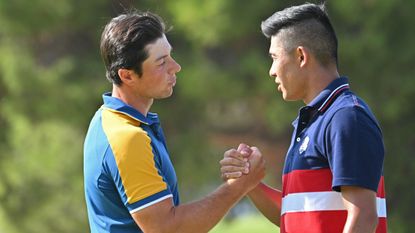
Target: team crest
[{"x": 304, "y": 145}]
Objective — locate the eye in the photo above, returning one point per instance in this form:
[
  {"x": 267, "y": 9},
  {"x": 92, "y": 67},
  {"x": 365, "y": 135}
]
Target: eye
[{"x": 162, "y": 62}]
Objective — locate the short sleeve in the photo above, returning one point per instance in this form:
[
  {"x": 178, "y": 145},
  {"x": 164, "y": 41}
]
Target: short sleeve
[
  {"x": 131, "y": 164},
  {"x": 355, "y": 149}
]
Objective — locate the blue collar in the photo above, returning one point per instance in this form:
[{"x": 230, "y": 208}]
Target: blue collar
[
  {"x": 326, "y": 97},
  {"x": 322, "y": 101},
  {"x": 119, "y": 106}
]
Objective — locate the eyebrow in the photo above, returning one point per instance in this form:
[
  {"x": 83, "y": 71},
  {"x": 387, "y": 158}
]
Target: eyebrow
[
  {"x": 161, "y": 57},
  {"x": 164, "y": 56}
]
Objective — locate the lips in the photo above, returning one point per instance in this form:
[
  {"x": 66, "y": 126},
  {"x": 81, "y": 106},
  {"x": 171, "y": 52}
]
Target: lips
[
  {"x": 278, "y": 86},
  {"x": 173, "y": 82}
]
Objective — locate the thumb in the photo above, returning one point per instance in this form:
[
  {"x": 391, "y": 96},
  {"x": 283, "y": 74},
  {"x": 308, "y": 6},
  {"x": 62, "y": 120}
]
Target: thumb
[
  {"x": 256, "y": 156},
  {"x": 244, "y": 149}
]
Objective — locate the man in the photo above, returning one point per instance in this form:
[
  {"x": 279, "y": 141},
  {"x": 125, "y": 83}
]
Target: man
[
  {"x": 332, "y": 179},
  {"x": 130, "y": 182}
]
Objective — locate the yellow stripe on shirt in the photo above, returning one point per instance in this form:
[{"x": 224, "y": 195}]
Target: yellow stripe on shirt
[{"x": 134, "y": 156}]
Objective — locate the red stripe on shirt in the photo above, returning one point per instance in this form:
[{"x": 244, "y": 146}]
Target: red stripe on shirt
[
  {"x": 314, "y": 222},
  {"x": 318, "y": 180},
  {"x": 381, "y": 188},
  {"x": 333, "y": 97},
  {"x": 300, "y": 181},
  {"x": 320, "y": 222},
  {"x": 382, "y": 226}
]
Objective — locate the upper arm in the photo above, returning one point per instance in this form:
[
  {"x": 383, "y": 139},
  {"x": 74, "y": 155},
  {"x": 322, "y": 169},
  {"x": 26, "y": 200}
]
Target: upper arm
[
  {"x": 361, "y": 209},
  {"x": 155, "y": 218},
  {"x": 132, "y": 165},
  {"x": 358, "y": 199},
  {"x": 354, "y": 149}
]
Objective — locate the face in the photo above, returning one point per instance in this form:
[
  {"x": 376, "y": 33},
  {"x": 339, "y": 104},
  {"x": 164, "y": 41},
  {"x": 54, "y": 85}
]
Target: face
[
  {"x": 285, "y": 70},
  {"x": 158, "y": 71}
]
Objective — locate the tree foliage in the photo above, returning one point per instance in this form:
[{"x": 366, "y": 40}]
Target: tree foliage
[{"x": 52, "y": 78}]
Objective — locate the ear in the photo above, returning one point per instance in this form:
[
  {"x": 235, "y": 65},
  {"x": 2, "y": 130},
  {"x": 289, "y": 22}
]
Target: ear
[
  {"x": 302, "y": 55},
  {"x": 126, "y": 76}
]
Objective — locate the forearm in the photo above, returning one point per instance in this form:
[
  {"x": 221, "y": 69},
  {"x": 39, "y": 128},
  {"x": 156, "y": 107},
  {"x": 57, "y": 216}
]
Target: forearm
[
  {"x": 360, "y": 223},
  {"x": 203, "y": 215},
  {"x": 268, "y": 201}
]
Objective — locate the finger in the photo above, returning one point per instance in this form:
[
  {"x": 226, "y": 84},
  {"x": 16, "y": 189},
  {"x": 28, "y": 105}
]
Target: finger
[
  {"x": 256, "y": 159},
  {"x": 246, "y": 169},
  {"x": 242, "y": 146},
  {"x": 238, "y": 162},
  {"x": 255, "y": 149},
  {"x": 256, "y": 152},
  {"x": 231, "y": 175},
  {"x": 232, "y": 153},
  {"x": 244, "y": 149},
  {"x": 229, "y": 169}
]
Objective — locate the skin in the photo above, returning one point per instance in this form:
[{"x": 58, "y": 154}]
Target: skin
[
  {"x": 156, "y": 82},
  {"x": 299, "y": 76},
  {"x": 202, "y": 215}
]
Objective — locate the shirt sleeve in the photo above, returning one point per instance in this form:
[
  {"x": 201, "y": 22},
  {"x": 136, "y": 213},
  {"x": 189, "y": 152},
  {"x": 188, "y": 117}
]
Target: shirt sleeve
[
  {"x": 131, "y": 164},
  {"x": 355, "y": 149}
]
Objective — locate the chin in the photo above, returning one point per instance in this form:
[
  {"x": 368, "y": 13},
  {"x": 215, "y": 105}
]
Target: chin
[
  {"x": 288, "y": 98},
  {"x": 167, "y": 95}
]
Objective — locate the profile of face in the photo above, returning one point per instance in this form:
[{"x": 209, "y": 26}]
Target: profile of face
[
  {"x": 286, "y": 70},
  {"x": 158, "y": 71}
]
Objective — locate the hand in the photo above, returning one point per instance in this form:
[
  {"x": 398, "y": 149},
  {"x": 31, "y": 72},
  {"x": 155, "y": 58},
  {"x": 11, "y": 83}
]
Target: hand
[
  {"x": 235, "y": 162},
  {"x": 256, "y": 170},
  {"x": 245, "y": 165}
]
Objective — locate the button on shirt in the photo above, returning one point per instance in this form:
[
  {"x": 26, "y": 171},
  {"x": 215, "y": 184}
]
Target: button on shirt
[{"x": 336, "y": 142}]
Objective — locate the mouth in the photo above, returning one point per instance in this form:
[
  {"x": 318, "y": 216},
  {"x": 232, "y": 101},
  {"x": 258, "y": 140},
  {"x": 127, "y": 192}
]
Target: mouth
[
  {"x": 173, "y": 81},
  {"x": 278, "y": 86}
]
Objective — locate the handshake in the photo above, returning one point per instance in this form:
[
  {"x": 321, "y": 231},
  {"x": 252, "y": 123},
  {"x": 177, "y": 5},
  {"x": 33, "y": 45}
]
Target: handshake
[{"x": 244, "y": 167}]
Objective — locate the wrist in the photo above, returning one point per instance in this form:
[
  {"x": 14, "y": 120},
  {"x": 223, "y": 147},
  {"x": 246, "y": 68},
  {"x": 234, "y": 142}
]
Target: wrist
[
  {"x": 256, "y": 189},
  {"x": 237, "y": 186}
]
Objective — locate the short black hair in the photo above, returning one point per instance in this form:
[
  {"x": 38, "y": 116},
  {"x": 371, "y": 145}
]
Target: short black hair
[
  {"x": 124, "y": 39},
  {"x": 304, "y": 25}
]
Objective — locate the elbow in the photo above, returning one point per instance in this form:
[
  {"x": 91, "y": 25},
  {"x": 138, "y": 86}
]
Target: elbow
[{"x": 274, "y": 219}]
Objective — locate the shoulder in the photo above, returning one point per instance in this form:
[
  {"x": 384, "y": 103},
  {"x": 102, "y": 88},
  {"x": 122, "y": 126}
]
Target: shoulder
[
  {"x": 123, "y": 131},
  {"x": 350, "y": 111}
]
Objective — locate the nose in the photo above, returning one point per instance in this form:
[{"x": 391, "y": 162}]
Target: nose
[
  {"x": 273, "y": 71},
  {"x": 175, "y": 66}
]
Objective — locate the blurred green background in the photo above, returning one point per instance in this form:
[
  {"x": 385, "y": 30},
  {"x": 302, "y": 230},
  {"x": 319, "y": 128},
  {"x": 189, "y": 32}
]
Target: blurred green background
[{"x": 52, "y": 78}]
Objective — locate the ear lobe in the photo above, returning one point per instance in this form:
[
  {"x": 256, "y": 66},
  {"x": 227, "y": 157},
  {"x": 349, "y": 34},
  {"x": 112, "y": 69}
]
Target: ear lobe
[{"x": 125, "y": 76}]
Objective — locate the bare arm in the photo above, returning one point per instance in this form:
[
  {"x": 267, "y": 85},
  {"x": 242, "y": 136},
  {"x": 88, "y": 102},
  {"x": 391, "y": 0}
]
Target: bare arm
[
  {"x": 202, "y": 215},
  {"x": 361, "y": 209},
  {"x": 268, "y": 201}
]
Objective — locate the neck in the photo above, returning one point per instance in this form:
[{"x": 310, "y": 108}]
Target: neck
[
  {"x": 319, "y": 80},
  {"x": 139, "y": 103}
]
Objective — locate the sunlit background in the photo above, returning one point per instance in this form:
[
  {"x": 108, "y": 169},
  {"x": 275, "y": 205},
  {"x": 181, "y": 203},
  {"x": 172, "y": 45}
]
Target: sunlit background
[{"x": 52, "y": 78}]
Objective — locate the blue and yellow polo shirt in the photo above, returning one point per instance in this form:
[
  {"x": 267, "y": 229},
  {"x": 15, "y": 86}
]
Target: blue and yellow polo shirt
[{"x": 126, "y": 166}]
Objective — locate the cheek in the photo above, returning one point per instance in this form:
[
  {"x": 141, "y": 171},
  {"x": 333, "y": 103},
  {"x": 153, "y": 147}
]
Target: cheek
[
  {"x": 157, "y": 73},
  {"x": 161, "y": 71}
]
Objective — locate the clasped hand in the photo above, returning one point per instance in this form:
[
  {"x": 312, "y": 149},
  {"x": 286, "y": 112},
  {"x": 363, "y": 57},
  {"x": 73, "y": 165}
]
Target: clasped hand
[{"x": 245, "y": 164}]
